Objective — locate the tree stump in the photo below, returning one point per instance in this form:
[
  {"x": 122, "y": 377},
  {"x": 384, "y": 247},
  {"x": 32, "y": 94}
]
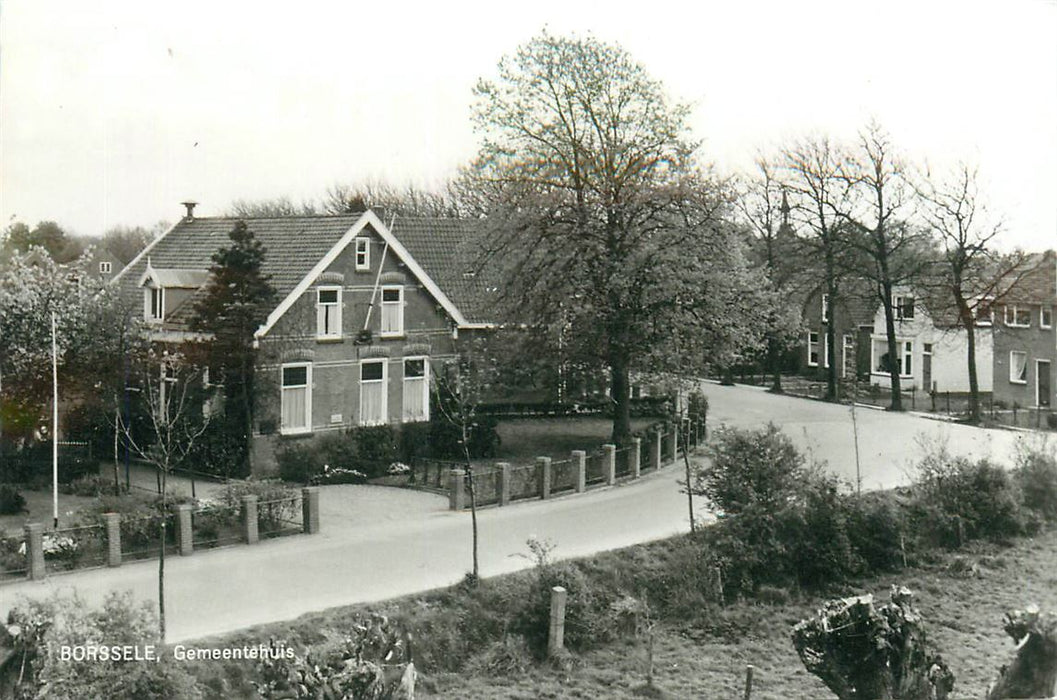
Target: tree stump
[
  {"x": 865, "y": 653},
  {"x": 1033, "y": 671}
]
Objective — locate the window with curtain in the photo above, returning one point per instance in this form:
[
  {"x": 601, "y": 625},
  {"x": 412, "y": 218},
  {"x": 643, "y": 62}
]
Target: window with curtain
[
  {"x": 372, "y": 392},
  {"x": 392, "y": 311},
  {"x": 296, "y": 398},
  {"x": 1018, "y": 367},
  {"x": 416, "y": 389},
  {"x": 328, "y": 312}
]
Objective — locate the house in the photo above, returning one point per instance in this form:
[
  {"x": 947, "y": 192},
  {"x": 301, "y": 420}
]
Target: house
[
  {"x": 367, "y": 311},
  {"x": 932, "y": 346},
  {"x": 100, "y": 261},
  {"x": 1024, "y": 335},
  {"x": 853, "y": 320}
]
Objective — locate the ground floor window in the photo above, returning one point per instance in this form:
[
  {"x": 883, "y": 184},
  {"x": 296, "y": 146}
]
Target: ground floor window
[
  {"x": 812, "y": 349},
  {"x": 1018, "y": 367},
  {"x": 296, "y": 398},
  {"x": 373, "y": 392},
  {"x": 416, "y": 389},
  {"x": 904, "y": 361}
]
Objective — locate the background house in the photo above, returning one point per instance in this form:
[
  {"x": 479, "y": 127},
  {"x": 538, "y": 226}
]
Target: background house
[
  {"x": 367, "y": 312},
  {"x": 852, "y": 317},
  {"x": 1025, "y": 339}
]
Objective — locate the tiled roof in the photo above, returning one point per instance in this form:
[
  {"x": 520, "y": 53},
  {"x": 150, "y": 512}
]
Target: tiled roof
[
  {"x": 294, "y": 245},
  {"x": 1035, "y": 281}
]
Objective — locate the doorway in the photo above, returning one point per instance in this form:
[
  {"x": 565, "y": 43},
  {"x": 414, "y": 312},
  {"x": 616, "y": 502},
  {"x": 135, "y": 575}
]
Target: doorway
[{"x": 1043, "y": 387}]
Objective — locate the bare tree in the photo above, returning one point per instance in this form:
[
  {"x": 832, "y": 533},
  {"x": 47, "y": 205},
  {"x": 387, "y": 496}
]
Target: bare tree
[
  {"x": 172, "y": 394},
  {"x": 276, "y": 207},
  {"x": 972, "y": 274},
  {"x": 408, "y": 200}
]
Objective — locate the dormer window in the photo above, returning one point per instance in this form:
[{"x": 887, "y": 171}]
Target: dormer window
[
  {"x": 154, "y": 304},
  {"x": 1018, "y": 316},
  {"x": 903, "y": 306},
  {"x": 105, "y": 268},
  {"x": 363, "y": 254},
  {"x": 328, "y": 312}
]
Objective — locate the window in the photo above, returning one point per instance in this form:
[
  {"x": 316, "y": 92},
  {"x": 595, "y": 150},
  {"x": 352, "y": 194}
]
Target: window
[
  {"x": 882, "y": 364},
  {"x": 363, "y": 254},
  {"x": 296, "y": 398},
  {"x": 982, "y": 311},
  {"x": 1018, "y": 367},
  {"x": 825, "y": 308},
  {"x": 1046, "y": 317},
  {"x": 328, "y": 312},
  {"x": 392, "y": 311},
  {"x": 416, "y": 389},
  {"x": 104, "y": 268},
  {"x": 372, "y": 392},
  {"x": 827, "y": 350},
  {"x": 154, "y": 304},
  {"x": 1018, "y": 316},
  {"x": 903, "y": 307},
  {"x": 812, "y": 349}
]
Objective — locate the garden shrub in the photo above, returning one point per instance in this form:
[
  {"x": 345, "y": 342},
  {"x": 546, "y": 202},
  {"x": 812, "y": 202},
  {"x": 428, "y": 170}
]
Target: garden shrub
[
  {"x": 815, "y": 534},
  {"x": 11, "y": 501},
  {"x": 959, "y": 500},
  {"x": 1036, "y": 474},
  {"x": 875, "y": 527},
  {"x": 221, "y": 450},
  {"x": 750, "y": 469},
  {"x": 298, "y": 462},
  {"x": 588, "y": 616},
  {"x": 40, "y": 626},
  {"x": 91, "y": 486}
]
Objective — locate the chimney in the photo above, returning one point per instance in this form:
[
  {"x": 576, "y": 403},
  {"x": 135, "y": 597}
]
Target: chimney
[{"x": 190, "y": 215}]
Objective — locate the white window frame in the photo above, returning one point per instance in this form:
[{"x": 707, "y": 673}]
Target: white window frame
[
  {"x": 1017, "y": 380},
  {"x": 1043, "y": 311},
  {"x": 825, "y": 308},
  {"x": 906, "y": 351},
  {"x": 1012, "y": 311},
  {"x": 307, "y": 386},
  {"x": 424, "y": 406},
  {"x": 384, "y": 381},
  {"x": 105, "y": 267},
  {"x": 363, "y": 253},
  {"x": 908, "y": 359},
  {"x": 984, "y": 304},
  {"x": 898, "y": 305},
  {"x": 396, "y": 307},
  {"x": 334, "y": 330},
  {"x": 812, "y": 345},
  {"x": 154, "y": 304}
]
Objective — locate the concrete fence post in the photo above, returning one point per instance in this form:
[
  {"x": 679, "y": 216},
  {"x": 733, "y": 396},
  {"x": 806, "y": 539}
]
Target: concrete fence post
[
  {"x": 457, "y": 489},
  {"x": 35, "y": 551},
  {"x": 609, "y": 464},
  {"x": 249, "y": 519},
  {"x": 556, "y": 633},
  {"x": 504, "y": 483},
  {"x": 655, "y": 449},
  {"x": 184, "y": 531},
  {"x": 674, "y": 438},
  {"x": 580, "y": 469},
  {"x": 113, "y": 538},
  {"x": 310, "y": 510},
  {"x": 543, "y": 465},
  {"x": 636, "y": 458}
]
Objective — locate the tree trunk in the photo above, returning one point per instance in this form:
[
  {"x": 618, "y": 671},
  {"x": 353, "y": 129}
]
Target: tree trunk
[
  {"x": 473, "y": 499},
  {"x": 829, "y": 342},
  {"x": 774, "y": 361},
  {"x": 161, "y": 561},
  {"x": 894, "y": 363},
  {"x": 621, "y": 395},
  {"x": 1033, "y": 671}
]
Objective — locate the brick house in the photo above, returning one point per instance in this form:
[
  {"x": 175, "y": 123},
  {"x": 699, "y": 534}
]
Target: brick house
[
  {"x": 367, "y": 312},
  {"x": 1025, "y": 337},
  {"x": 932, "y": 346},
  {"x": 853, "y": 319}
]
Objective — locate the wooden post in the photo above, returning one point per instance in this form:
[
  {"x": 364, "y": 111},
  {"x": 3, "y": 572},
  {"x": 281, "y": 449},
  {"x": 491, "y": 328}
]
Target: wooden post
[
  {"x": 748, "y": 682},
  {"x": 556, "y": 633},
  {"x": 543, "y": 464},
  {"x": 504, "y": 483},
  {"x": 580, "y": 467}
]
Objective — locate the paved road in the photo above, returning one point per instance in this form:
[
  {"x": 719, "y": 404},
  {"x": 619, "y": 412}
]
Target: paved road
[{"x": 379, "y": 543}]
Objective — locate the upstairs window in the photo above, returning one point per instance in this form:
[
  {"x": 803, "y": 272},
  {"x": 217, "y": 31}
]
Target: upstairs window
[
  {"x": 392, "y": 311},
  {"x": 105, "y": 268},
  {"x": 903, "y": 306},
  {"x": 154, "y": 304},
  {"x": 1046, "y": 317},
  {"x": 373, "y": 392},
  {"x": 328, "y": 312},
  {"x": 363, "y": 254},
  {"x": 416, "y": 389},
  {"x": 1018, "y": 316},
  {"x": 825, "y": 308},
  {"x": 983, "y": 313}
]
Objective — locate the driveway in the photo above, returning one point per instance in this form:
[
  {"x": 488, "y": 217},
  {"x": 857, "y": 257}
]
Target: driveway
[{"x": 379, "y": 542}]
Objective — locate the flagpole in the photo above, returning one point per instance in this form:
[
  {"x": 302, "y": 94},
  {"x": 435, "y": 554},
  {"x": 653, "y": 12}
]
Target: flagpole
[{"x": 54, "y": 427}]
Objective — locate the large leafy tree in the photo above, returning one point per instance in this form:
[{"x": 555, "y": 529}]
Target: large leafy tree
[
  {"x": 237, "y": 300},
  {"x": 605, "y": 222}
]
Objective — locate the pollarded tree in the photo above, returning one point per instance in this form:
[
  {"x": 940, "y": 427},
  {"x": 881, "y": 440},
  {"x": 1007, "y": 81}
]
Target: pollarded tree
[
  {"x": 597, "y": 208},
  {"x": 237, "y": 300}
]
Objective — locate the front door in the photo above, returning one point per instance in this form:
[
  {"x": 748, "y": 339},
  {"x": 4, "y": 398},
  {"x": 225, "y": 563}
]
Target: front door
[{"x": 1043, "y": 389}]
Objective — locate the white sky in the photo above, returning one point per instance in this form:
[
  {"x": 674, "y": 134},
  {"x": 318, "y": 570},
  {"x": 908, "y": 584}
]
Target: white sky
[{"x": 114, "y": 112}]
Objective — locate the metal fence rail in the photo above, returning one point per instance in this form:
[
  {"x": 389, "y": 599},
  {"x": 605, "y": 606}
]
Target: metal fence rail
[
  {"x": 83, "y": 547},
  {"x": 486, "y": 485},
  {"x": 141, "y": 536},
  {"x": 595, "y": 469},
  {"x": 623, "y": 459},
  {"x": 524, "y": 482},
  {"x": 563, "y": 476},
  {"x": 280, "y": 517},
  {"x": 13, "y": 561},
  {"x": 215, "y": 526}
]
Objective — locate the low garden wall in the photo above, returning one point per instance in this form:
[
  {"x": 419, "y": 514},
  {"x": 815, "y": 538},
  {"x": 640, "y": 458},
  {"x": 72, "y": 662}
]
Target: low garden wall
[{"x": 35, "y": 552}]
